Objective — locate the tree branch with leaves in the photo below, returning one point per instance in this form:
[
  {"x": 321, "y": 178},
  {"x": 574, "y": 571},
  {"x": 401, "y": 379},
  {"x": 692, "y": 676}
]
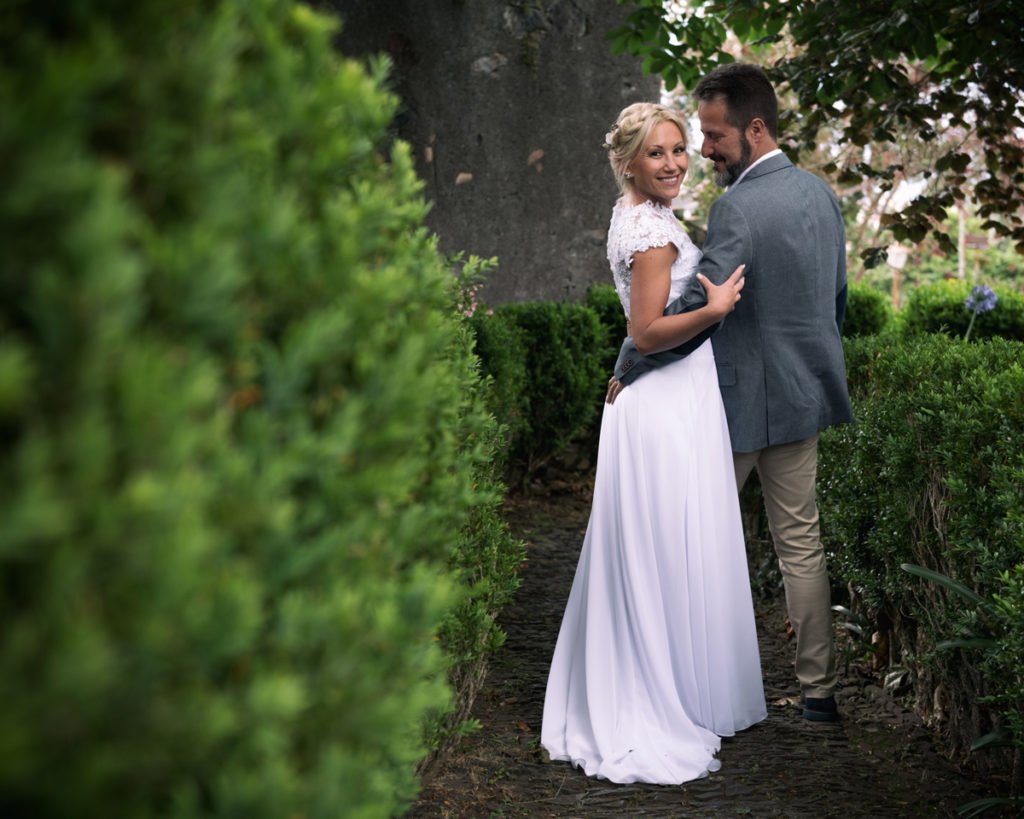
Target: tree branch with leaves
[{"x": 873, "y": 73}]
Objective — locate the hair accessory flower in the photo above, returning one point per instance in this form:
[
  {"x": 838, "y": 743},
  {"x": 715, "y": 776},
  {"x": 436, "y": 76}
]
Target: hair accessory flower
[{"x": 609, "y": 137}]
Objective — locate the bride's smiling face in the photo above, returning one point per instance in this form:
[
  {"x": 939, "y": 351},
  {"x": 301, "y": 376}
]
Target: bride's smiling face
[{"x": 659, "y": 167}]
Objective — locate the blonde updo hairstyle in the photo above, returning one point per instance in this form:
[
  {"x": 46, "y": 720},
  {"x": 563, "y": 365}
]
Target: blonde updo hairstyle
[{"x": 627, "y": 136}]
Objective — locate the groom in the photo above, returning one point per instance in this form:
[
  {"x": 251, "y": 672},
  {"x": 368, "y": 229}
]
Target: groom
[{"x": 779, "y": 355}]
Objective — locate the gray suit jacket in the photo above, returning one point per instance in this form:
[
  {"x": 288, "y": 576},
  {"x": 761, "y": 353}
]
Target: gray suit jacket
[{"x": 779, "y": 355}]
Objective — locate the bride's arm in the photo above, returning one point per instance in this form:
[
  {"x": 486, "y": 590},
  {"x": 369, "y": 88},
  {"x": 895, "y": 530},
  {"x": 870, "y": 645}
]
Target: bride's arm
[{"x": 653, "y": 331}]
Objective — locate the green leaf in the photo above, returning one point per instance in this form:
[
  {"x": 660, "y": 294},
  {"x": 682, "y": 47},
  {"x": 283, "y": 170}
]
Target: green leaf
[
  {"x": 999, "y": 738},
  {"x": 980, "y": 806},
  {"x": 874, "y": 256},
  {"x": 775, "y": 25},
  {"x": 979, "y": 643},
  {"x": 917, "y": 232},
  {"x": 670, "y": 74},
  {"x": 878, "y": 86},
  {"x": 943, "y": 580},
  {"x": 924, "y": 44},
  {"x": 741, "y": 22}
]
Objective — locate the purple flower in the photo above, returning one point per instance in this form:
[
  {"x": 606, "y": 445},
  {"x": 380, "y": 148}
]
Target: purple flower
[{"x": 981, "y": 300}]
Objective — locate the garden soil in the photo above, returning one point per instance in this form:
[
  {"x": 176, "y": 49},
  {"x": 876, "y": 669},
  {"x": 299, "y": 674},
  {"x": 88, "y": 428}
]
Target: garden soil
[{"x": 879, "y": 761}]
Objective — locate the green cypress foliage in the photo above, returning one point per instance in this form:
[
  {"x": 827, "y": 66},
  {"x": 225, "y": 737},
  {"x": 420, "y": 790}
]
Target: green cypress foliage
[{"x": 240, "y": 427}]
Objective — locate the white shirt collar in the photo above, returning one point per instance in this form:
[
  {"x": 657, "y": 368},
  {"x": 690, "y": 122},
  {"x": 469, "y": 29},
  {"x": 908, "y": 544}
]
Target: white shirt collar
[{"x": 754, "y": 164}]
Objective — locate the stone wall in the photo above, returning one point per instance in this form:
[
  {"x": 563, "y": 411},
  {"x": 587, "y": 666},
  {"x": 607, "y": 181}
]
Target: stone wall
[{"x": 506, "y": 106}]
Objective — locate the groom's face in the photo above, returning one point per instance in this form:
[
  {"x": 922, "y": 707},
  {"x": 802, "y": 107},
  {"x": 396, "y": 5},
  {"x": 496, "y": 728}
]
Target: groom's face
[{"x": 724, "y": 144}]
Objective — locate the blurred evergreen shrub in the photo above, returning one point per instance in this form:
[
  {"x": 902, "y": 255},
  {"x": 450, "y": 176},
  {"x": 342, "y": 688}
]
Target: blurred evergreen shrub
[
  {"x": 939, "y": 308},
  {"x": 931, "y": 474},
  {"x": 244, "y": 444},
  {"x": 868, "y": 311}
]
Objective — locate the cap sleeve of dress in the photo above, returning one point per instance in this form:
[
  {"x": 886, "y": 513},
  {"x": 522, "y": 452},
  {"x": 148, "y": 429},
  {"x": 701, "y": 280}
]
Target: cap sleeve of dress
[
  {"x": 634, "y": 229},
  {"x": 645, "y": 227}
]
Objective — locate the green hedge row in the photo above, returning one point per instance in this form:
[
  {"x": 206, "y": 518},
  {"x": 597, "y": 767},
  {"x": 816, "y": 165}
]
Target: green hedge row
[
  {"x": 939, "y": 308},
  {"x": 547, "y": 363},
  {"x": 933, "y": 308},
  {"x": 247, "y": 467},
  {"x": 868, "y": 312},
  {"x": 932, "y": 474}
]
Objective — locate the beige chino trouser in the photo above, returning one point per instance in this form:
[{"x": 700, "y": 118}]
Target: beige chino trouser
[{"x": 788, "y": 473}]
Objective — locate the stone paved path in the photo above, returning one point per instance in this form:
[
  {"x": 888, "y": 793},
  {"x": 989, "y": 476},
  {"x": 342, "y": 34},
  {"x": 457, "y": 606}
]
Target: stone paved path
[{"x": 878, "y": 762}]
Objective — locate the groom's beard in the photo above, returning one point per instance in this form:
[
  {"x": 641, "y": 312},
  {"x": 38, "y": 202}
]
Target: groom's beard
[{"x": 732, "y": 172}]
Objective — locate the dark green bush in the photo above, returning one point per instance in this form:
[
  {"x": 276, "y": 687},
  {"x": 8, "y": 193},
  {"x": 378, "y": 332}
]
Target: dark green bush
[
  {"x": 939, "y": 308},
  {"x": 502, "y": 351},
  {"x": 1003, "y": 664},
  {"x": 929, "y": 474},
  {"x": 868, "y": 311},
  {"x": 604, "y": 301},
  {"x": 241, "y": 426},
  {"x": 563, "y": 346}
]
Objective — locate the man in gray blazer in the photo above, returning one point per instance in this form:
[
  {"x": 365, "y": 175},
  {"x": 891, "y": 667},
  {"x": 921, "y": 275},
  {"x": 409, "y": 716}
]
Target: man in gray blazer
[{"x": 779, "y": 354}]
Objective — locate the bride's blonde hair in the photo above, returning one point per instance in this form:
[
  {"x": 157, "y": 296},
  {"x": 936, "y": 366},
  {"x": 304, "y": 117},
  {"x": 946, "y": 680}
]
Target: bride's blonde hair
[{"x": 627, "y": 136}]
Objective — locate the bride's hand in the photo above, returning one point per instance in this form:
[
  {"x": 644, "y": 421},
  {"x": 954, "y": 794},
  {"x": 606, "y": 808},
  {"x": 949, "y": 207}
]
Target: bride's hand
[{"x": 722, "y": 298}]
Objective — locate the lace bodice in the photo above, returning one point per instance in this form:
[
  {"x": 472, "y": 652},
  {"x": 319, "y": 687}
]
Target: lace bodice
[{"x": 636, "y": 228}]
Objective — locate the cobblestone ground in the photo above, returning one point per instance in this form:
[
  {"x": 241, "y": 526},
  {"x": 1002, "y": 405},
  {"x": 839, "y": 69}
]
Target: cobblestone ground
[{"x": 878, "y": 762}]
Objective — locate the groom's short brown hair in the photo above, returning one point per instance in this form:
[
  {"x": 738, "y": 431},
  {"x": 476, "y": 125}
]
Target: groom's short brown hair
[{"x": 747, "y": 92}]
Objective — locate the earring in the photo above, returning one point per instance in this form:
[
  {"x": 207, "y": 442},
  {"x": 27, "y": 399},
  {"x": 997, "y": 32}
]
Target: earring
[{"x": 628, "y": 175}]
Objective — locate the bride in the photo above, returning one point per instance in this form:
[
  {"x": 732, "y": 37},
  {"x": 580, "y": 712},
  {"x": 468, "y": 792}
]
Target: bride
[{"x": 657, "y": 654}]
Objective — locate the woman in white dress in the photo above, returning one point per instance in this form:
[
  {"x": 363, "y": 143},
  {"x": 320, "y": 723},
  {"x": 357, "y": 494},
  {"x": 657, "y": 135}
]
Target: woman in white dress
[{"x": 657, "y": 655}]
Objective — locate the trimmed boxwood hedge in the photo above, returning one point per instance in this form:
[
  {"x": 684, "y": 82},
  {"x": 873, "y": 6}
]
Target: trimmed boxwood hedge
[
  {"x": 868, "y": 312},
  {"x": 932, "y": 474},
  {"x": 939, "y": 308},
  {"x": 546, "y": 359}
]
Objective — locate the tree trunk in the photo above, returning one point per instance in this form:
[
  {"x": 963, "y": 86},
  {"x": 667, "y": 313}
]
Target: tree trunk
[{"x": 505, "y": 106}]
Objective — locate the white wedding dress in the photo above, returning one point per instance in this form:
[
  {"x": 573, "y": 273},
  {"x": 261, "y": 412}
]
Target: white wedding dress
[{"x": 657, "y": 655}]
